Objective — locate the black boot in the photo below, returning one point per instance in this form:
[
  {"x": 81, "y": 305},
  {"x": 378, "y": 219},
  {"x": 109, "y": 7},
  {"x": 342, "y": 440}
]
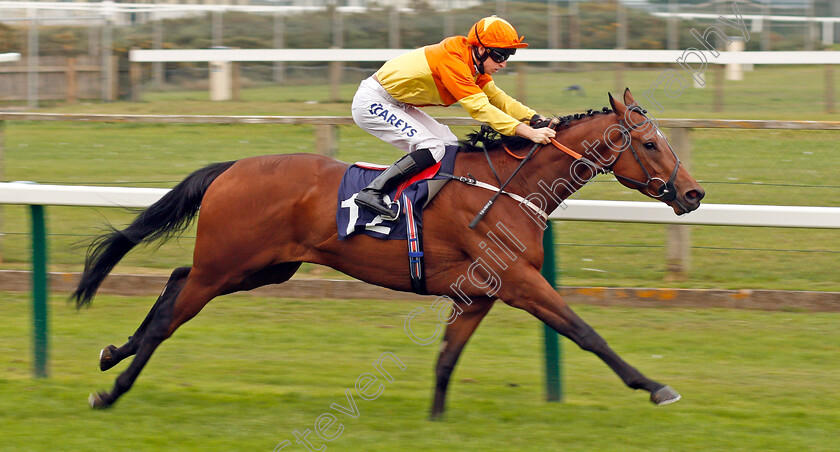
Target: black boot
[{"x": 371, "y": 197}]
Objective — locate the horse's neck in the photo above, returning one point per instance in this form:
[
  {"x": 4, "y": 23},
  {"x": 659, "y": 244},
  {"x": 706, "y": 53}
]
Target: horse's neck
[{"x": 550, "y": 173}]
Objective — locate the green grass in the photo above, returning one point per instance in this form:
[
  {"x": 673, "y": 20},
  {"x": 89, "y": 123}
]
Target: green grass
[
  {"x": 782, "y": 92},
  {"x": 249, "y": 371},
  {"x": 735, "y": 166}
]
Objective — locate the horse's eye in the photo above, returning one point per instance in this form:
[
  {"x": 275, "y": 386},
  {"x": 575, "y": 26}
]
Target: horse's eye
[{"x": 650, "y": 146}]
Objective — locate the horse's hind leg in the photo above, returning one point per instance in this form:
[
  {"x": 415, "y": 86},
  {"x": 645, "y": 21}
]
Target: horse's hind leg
[
  {"x": 110, "y": 356},
  {"x": 457, "y": 334},
  {"x": 175, "y": 308},
  {"x": 182, "y": 300}
]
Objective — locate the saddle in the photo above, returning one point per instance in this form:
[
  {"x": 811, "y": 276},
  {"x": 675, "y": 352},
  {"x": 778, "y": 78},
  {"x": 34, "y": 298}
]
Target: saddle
[
  {"x": 414, "y": 193},
  {"x": 411, "y": 197}
]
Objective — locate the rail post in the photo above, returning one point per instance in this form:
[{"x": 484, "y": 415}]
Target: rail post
[
  {"x": 678, "y": 242},
  {"x": 39, "y": 291},
  {"x": 719, "y": 76},
  {"x": 279, "y": 43},
  {"x": 236, "y": 81},
  {"x": 336, "y": 67},
  {"x": 829, "y": 88},
  {"x": 553, "y": 381},
  {"x": 135, "y": 71},
  {"x": 522, "y": 82},
  {"x": 71, "y": 78},
  {"x": 2, "y": 167},
  {"x": 326, "y": 139}
]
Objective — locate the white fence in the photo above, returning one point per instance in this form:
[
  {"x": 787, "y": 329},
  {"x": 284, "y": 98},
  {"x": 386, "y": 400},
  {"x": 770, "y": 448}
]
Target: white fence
[
  {"x": 325, "y": 133},
  {"x": 523, "y": 56},
  {"x": 758, "y": 21},
  {"x": 583, "y": 210},
  {"x": 691, "y": 60},
  {"x": 4, "y": 57}
]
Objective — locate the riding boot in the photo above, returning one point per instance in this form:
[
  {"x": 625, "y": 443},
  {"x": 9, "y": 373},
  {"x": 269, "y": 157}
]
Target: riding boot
[{"x": 371, "y": 197}]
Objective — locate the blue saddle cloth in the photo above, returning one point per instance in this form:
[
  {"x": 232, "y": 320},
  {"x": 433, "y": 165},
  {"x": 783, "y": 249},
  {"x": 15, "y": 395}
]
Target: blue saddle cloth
[{"x": 352, "y": 219}]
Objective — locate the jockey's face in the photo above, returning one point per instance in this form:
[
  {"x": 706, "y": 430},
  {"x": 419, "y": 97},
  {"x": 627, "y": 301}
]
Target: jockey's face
[{"x": 490, "y": 65}]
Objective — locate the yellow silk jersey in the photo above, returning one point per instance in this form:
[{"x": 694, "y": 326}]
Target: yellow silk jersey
[{"x": 442, "y": 74}]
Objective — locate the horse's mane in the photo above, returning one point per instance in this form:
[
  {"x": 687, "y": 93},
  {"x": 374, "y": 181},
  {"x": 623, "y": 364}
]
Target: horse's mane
[{"x": 486, "y": 138}]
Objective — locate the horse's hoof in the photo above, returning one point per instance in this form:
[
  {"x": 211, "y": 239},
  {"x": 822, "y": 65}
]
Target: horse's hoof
[
  {"x": 664, "y": 396},
  {"x": 97, "y": 402},
  {"x": 106, "y": 358}
]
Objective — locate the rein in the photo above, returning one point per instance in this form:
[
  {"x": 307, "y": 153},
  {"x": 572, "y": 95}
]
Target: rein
[
  {"x": 536, "y": 147},
  {"x": 492, "y": 200},
  {"x": 554, "y": 142},
  {"x": 666, "y": 191}
]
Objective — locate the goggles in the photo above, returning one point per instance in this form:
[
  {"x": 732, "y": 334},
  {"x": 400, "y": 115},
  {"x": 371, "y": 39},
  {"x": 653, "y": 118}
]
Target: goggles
[{"x": 499, "y": 55}]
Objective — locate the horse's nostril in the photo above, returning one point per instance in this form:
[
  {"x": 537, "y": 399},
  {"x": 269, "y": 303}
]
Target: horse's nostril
[{"x": 695, "y": 195}]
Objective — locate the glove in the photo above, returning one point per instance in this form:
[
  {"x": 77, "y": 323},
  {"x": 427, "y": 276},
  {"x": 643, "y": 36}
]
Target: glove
[{"x": 538, "y": 122}]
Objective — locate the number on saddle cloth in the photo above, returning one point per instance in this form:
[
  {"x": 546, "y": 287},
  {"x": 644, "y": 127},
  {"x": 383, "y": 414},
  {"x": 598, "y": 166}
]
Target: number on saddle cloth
[{"x": 419, "y": 189}]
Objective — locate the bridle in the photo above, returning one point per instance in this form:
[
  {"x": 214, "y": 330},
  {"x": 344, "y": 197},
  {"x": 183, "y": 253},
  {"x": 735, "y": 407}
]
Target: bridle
[{"x": 667, "y": 190}]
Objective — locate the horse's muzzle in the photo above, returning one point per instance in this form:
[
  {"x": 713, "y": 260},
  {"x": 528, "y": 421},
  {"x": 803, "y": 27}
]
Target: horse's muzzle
[{"x": 688, "y": 201}]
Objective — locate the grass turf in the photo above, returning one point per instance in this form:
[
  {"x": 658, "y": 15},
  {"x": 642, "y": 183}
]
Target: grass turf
[{"x": 248, "y": 372}]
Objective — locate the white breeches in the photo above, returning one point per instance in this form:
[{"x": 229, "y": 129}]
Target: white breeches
[{"x": 402, "y": 125}]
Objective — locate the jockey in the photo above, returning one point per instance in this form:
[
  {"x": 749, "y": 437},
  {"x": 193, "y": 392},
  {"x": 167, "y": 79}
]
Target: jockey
[{"x": 458, "y": 69}]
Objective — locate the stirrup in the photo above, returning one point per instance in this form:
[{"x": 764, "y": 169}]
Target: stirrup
[
  {"x": 377, "y": 208},
  {"x": 396, "y": 215}
]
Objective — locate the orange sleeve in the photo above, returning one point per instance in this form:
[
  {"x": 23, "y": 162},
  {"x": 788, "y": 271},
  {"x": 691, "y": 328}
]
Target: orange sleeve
[
  {"x": 507, "y": 104},
  {"x": 451, "y": 65}
]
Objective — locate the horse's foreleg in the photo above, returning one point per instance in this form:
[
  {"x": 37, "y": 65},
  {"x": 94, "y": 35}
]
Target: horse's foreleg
[
  {"x": 175, "y": 308},
  {"x": 545, "y": 303},
  {"x": 586, "y": 338},
  {"x": 110, "y": 356},
  {"x": 457, "y": 334}
]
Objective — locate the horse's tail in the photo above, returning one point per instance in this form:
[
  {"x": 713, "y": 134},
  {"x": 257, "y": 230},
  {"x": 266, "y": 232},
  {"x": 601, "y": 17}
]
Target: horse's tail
[{"x": 168, "y": 217}]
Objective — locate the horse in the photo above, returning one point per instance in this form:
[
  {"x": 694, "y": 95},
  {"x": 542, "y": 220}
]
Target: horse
[{"x": 282, "y": 208}]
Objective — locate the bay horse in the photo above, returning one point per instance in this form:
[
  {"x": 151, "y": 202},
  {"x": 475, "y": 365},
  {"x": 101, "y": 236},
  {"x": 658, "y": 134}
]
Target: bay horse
[{"x": 261, "y": 217}]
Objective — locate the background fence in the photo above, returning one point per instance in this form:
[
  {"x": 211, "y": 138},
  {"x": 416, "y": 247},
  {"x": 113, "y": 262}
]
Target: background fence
[
  {"x": 804, "y": 174},
  {"x": 63, "y": 78},
  {"x": 741, "y": 371},
  {"x": 106, "y": 32}
]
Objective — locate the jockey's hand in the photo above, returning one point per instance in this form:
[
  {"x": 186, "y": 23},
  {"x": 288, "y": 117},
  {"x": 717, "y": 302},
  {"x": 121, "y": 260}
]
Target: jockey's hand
[
  {"x": 538, "y": 121},
  {"x": 541, "y": 135}
]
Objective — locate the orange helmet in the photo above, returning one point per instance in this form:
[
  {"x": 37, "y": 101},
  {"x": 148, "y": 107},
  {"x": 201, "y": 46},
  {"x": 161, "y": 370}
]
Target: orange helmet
[{"x": 495, "y": 32}]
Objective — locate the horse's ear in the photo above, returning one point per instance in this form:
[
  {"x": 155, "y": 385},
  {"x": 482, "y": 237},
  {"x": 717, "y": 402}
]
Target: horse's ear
[
  {"x": 628, "y": 97},
  {"x": 617, "y": 107}
]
